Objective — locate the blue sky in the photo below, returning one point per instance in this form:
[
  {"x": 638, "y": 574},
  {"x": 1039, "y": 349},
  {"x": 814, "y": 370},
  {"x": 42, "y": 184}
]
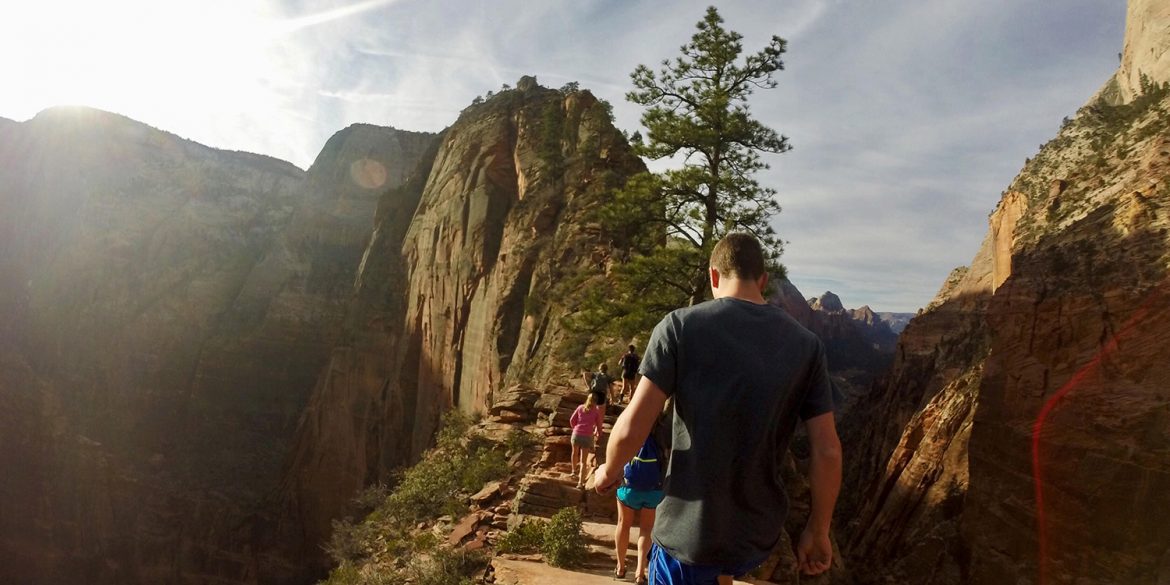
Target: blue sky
[{"x": 907, "y": 119}]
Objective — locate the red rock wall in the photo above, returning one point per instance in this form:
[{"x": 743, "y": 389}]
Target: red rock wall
[
  {"x": 453, "y": 300},
  {"x": 1021, "y": 436},
  {"x": 1070, "y": 452}
]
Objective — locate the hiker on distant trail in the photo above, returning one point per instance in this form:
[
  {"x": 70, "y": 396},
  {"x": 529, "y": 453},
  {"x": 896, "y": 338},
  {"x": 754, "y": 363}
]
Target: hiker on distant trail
[
  {"x": 587, "y": 423},
  {"x": 741, "y": 373},
  {"x": 600, "y": 384},
  {"x": 639, "y": 494},
  {"x": 630, "y": 362}
]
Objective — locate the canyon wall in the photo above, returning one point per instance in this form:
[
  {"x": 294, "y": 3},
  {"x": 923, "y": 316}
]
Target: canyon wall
[
  {"x": 457, "y": 294},
  {"x": 165, "y": 309},
  {"x": 1021, "y": 436}
]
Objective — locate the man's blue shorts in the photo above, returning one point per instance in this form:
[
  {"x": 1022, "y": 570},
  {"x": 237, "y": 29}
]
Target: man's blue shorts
[
  {"x": 638, "y": 499},
  {"x": 666, "y": 570}
]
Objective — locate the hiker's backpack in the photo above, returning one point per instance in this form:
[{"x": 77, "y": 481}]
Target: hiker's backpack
[
  {"x": 596, "y": 384},
  {"x": 644, "y": 471}
]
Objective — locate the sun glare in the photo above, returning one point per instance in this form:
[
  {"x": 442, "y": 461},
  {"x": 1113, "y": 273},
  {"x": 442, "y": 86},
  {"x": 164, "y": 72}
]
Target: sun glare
[{"x": 149, "y": 59}]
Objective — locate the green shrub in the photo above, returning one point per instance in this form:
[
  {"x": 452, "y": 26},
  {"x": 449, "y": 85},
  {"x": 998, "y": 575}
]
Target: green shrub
[
  {"x": 371, "y": 498},
  {"x": 486, "y": 464},
  {"x": 564, "y": 543},
  {"x": 453, "y": 429},
  {"x": 560, "y": 540},
  {"x": 445, "y": 567},
  {"x": 461, "y": 463},
  {"x": 344, "y": 574},
  {"x": 427, "y": 490},
  {"x": 457, "y": 464},
  {"x": 518, "y": 440},
  {"x": 350, "y": 542},
  {"x": 528, "y": 537}
]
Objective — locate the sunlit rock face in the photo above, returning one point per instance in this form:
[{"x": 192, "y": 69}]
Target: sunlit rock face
[
  {"x": 1022, "y": 436},
  {"x": 1146, "y": 51},
  {"x": 165, "y": 309},
  {"x": 454, "y": 298}
]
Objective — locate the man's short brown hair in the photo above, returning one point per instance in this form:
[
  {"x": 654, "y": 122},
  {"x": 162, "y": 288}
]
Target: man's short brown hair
[{"x": 738, "y": 255}]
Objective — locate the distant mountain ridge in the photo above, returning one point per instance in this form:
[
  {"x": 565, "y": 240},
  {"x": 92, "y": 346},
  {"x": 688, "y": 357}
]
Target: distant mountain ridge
[
  {"x": 93, "y": 120},
  {"x": 896, "y": 321},
  {"x": 860, "y": 346}
]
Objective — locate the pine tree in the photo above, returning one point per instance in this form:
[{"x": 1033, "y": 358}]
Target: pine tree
[{"x": 696, "y": 111}]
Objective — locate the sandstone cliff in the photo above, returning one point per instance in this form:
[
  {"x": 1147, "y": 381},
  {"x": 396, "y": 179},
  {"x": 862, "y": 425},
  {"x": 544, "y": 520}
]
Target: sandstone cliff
[
  {"x": 1022, "y": 434},
  {"x": 453, "y": 294},
  {"x": 1146, "y": 52},
  {"x": 165, "y": 310}
]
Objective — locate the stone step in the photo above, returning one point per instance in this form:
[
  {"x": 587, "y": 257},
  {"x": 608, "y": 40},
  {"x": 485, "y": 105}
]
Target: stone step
[
  {"x": 516, "y": 572},
  {"x": 520, "y": 572},
  {"x": 601, "y": 534}
]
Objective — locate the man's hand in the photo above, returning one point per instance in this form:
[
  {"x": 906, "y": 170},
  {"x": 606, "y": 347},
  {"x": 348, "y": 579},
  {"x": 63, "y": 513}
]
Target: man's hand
[
  {"x": 814, "y": 552},
  {"x": 606, "y": 478}
]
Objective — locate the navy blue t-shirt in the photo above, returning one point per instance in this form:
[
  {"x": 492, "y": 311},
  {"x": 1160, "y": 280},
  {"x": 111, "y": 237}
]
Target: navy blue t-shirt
[{"x": 741, "y": 374}]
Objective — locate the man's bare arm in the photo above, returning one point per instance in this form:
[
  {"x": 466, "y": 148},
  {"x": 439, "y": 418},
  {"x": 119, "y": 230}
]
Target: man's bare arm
[
  {"x": 815, "y": 551},
  {"x": 630, "y": 431}
]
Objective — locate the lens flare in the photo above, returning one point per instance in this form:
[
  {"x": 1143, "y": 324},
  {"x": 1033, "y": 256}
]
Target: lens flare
[
  {"x": 368, "y": 173},
  {"x": 1155, "y": 298}
]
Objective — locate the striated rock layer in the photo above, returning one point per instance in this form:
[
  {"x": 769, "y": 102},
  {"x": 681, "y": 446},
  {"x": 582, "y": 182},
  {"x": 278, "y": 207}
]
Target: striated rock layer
[
  {"x": 454, "y": 294},
  {"x": 165, "y": 309},
  {"x": 1022, "y": 436}
]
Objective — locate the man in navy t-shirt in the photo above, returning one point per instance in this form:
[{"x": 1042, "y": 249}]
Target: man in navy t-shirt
[{"x": 742, "y": 373}]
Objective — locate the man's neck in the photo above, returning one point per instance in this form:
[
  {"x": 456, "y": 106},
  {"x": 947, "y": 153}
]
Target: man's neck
[{"x": 745, "y": 291}]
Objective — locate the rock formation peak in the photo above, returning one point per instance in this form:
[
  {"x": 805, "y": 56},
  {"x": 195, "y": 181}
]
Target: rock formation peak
[
  {"x": 1145, "y": 52},
  {"x": 828, "y": 302}
]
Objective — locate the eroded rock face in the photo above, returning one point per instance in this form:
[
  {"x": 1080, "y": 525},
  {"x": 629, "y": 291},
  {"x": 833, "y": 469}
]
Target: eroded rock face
[
  {"x": 165, "y": 309},
  {"x": 1074, "y": 409},
  {"x": 1022, "y": 436},
  {"x": 1003, "y": 235},
  {"x": 453, "y": 292},
  {"x": 907, "y": 451}
]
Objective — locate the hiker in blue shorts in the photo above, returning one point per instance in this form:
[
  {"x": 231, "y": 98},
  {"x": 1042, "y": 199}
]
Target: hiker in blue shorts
[
  {"x": 742, "y": 373},
  {"x": 638, "y": 496}
]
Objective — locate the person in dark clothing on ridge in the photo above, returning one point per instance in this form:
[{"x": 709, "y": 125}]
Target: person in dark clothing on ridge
[
  {"x": 741, "y": 373},
  {"x": 630, "y": 362}
]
